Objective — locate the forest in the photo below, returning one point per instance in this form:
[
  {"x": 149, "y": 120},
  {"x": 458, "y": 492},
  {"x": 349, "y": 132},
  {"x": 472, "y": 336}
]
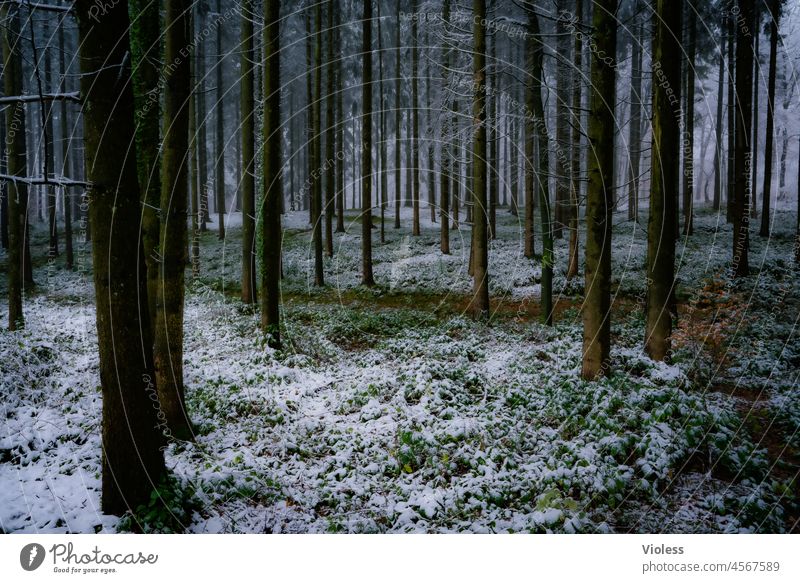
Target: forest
[{"x": 400, "y": 266}]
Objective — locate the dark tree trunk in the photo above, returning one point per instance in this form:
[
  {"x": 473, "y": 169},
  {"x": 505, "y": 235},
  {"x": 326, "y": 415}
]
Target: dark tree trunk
[
  {"x": 447, "y": 135},
  {"x": 575, "y": 187},
  {"x": 397, "y": 121},
  {"x": 599, "y": 198},
  {"x": 132, "y": 458},
  {"x": 731, "y": 186},
  {"x": 770, "y": 138},
  {"x": 718, "y": 127},
  {"x": 316, "y": 150},
  {"x": 247, "y": 133},
  {"x": 271, "y": 215},
  {"x": 219, "y": 130},
  {"x": 688, "y": 148},
  {"x": 480, "y": 242},
  {"x": 415, "y": 228},
  {"x": 366, "y": 148}
]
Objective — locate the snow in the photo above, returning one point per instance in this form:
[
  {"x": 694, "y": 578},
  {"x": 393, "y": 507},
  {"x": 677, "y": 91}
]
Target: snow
[{"x": 383, "y": 416}]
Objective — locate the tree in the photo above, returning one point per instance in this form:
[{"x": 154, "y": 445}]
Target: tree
[
  {"x": 132, "y": 458},
  {"x": 271, "y": 212},
  {"x": 247, "y": 135},
  {"x": 415, "y": 121},
  {"x": 664, "y": 181},
  {"x": 743, "y": 149},
  {"x": 219, "y": 131},
  {"x": 366, "y": 148},
  {"x": 575, "y": 187},
  {"x": 46, "y": 108},
  {"x": 168, "y": 352},
  {"x": 635, "y": 121},
  {"x": 540, "y": 134},
  {"x": 718, "y": 126},
  {"x": 316, "y": 150},
  {"x": 397, "y": 120},
  {"x": 146, "y": 56},
  {"x": 531, "y": 48},
  {"x": 330, "y": 146},
  {"x": 16, "y": 161},
  {"x": 480, "y": 241},
  {"x": 66, "y": 143},
  {"x": 444, "y": 195},
  {"x": 774, "y": 17},
  {"x": 599, "y": 198},
  {"x": 688, "y": 149}
]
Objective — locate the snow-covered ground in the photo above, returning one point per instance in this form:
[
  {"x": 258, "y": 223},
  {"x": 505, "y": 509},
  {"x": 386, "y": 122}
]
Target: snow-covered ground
[{"x": 391, "y": 411}]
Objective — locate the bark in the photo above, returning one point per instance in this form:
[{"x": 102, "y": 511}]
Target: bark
[
  {"x": 340, "y": 128},
  {"x": 16, "y": 161},
  {"x": 480, "y": 243},
  {"x": 415, "y": 229},
  {"x": 316, "y": 150},
  {"x": 131, "y": 439},
  {"x": 397, "y": 121},
  {"x": 664, "y": 181},
  {"x": 575, "y": 187},
  {"x": 202, "y": 142},
  {"x": 168, "y": 352},
  {"x": 447, "y": 135},
  {"x": 688, "y": 147},
  {"x": 66, "y": 144},
  {"x": 431, "y": 134},
  {"x": 146, "y": 55},
  {"x": 366, "y": 148},
  {"x": 743, "y": 151},
  {"x": 531, "y": 49},
  {"x": 731, "y": 186},
  {"x": 330, "y": 149},
  {"x": 543, "y": 182},
  {"x": 49, "y": 145},
  {"x": 718, "y": 127},
  {"x": 599, "y": 197},
  {"x": 770, "y": 138},
  {"x": 562, "y": 181},
  {"x": 247, "y": 132},
  {"x": 271, "y": 213},
  {"x": 219, "y": 131}
]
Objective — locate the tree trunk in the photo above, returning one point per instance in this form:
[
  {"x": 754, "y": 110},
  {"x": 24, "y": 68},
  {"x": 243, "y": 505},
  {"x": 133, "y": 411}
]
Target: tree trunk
[
  {"x": 415, "y": 121},
  {"x": 168, "y": 352},
  {"x": 49, "y": 146},
  {"x": 132, "y": 458},
  {"x": 744, "y": 119},
  {"x": 271, "y": 215},
  {"x": 635, "y": 129},
  {"x": 480, "y": 242},
  {"x": 247, "y": 134},
  {"x": 66, "y": 144},
  {"x": 330, "y": 147},
  {"x": 543, "y": 175},
  {"x": 575, "y": 189},
  {"x": 340, "y": 127},
  {"x": 219, "y": 132},
  {"x": 770, "y": 138},
  {"x": 146, "y": 55},
  {"x": 447, "y": 135},
  {"x": 531, "y": 47},
  {"x": 366, "y": 149},
  {"x": 688, "y": 148},
  {"x": 599, "y": 198},
  {"x": 562, "y": 71},
  {"x": 718, "y": 127},
  {"x": 202, "y": 142},
  {"x": 397, "y": 121},
  {"x": 16, "y": 162},
  {"x": 316, "y": 150},
  {"x": 664, "y": 181},
  {"x": 731, "y": 187}
]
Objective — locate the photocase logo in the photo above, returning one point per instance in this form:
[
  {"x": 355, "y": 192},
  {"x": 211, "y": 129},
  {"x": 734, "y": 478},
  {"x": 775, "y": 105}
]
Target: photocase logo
[{"x": 31, "y": 556}]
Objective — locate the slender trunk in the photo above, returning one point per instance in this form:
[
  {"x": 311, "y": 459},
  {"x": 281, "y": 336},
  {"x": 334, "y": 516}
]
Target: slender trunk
[
  {"x": 219, "y": 132},
  {"x": 531, "y": 48},
  {"x": 447, "y": 135},
  {"x": 316, "y": 150},
  {"x": 247, "y": 134},
  {"x": 457, "y": 180},
  {"x": 430, "y": 133},
  {"x": 330, "y": 147},
  {"x": 480, "y": 243},
  {"x": 49, "y": 145},
  {"x": 744, "y": 148},
  {"x": 599, "y": 203},
  {"x": 66, "y": 144},
  {"x": 383, "y": 140},
  {"x": 491, "y": 131},
  {"x": 366, "y": 149},
  {"x": 415, "y": 122},
  {"x": 131, "y": 439},
  {"x": 718, "y": 127},
  {"x": 562, "y": 70},
  {"x": 770, "y": 138},
  {"x": 202, "y": 141},
  {"x": 688, "y": 141},
  {"x": 16, "y": 162},
  {"x": 339, "y": 127},
  {"x": 397, "y": 120},
  {"x": 575, "y": 187},
  {"x": 542, "y": 142},
  {"x": 271, "y": 213},
  {"x": 732, "y": 99}
]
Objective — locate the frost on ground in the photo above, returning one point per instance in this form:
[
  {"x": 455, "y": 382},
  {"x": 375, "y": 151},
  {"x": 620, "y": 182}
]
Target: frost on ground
[{"x": 391, "y": 411}]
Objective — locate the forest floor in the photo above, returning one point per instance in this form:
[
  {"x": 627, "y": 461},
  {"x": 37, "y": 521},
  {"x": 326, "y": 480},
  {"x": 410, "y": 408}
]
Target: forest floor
[{"x": 390, "y": 410}]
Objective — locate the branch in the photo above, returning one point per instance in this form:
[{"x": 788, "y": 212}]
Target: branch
[
  {"x": 38, "y": 6},
  {"x": 74, "y": 96},
  {"x": 39, "y": 180}
]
